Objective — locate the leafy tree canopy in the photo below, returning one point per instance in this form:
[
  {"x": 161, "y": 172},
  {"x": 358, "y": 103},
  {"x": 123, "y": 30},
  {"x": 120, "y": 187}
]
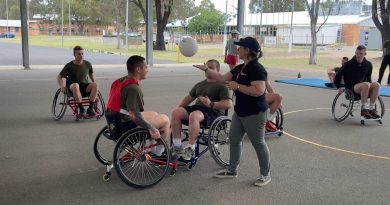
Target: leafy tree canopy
[{"x": 270, "y": 6}]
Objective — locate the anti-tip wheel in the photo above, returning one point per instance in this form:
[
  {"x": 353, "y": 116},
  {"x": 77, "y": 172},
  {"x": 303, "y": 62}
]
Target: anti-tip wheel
[{"x": 106, "y": 176}]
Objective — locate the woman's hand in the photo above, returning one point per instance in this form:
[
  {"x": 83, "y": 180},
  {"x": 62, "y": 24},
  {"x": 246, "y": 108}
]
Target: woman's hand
[{"x": 232, "y": 85}]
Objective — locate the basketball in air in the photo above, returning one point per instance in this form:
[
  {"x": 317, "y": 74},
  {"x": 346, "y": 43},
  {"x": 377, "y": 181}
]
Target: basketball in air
[{"x": 188, "y": 47}]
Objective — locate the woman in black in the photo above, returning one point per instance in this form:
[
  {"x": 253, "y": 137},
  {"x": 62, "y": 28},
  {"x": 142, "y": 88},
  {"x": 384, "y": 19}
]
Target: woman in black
[{"x": 248, "y": 81}]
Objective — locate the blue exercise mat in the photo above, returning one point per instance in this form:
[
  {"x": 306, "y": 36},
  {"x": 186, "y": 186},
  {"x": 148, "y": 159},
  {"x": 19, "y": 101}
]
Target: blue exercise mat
[{"x": 320, "y": 83}]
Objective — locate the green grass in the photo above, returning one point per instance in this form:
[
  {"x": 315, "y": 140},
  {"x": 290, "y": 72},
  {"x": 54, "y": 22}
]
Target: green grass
[{"x": 273, "y": 57}]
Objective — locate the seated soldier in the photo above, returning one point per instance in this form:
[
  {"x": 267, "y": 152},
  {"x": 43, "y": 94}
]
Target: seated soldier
[
  {"x": 357, "y": 77},
  {"x": 77, "y": 72},
  {"x": 127, "y": 95},
  {"x": 332, "y": 73},
  {"x": 212, "y": 99},
  {"x": 274, "y": 101}
]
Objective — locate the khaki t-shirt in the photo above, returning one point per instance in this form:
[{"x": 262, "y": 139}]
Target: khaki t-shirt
[
  {"x": 132, "y": 99},
  {"x": 215, "y": 91},
  {"x": 77, "y": 73}
]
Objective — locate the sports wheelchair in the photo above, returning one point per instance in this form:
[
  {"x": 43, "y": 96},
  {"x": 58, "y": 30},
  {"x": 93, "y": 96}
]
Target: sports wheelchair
[
  {"x": 62, "y": 100},
  {"x": 138, "y": 167},
  {"x": 346, "y": 103}
]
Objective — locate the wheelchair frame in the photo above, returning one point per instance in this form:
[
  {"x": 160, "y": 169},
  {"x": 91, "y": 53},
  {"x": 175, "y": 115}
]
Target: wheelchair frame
[
  {"x": 351, "y": 103},
  {"x": 62, "y": 100},
  {"x": 133, "y": 147}
]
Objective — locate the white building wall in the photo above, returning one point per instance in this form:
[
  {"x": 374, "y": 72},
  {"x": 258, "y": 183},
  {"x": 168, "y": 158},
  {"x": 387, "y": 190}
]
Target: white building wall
[{"x": 302, "y": 35}]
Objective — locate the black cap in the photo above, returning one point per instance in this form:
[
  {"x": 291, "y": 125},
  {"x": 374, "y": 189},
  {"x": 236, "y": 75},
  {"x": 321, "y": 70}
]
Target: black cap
[{"x": 250, "y": 43}]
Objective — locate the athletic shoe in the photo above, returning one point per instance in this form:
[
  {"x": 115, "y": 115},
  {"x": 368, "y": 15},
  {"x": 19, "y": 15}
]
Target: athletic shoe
[
  {"x": 270, "y": 127},
  {"x": 263, "y": 180},
  {"x": 81, "y": 110},
  {"x": 188, "y": 153},
  {"x": 178, "y": 150},
  {"x": 374, "y": 114},
  {"x": 91, "y": 112},
  {"x": 225, "y": 174},
  {"x": 366, "y": 114}
]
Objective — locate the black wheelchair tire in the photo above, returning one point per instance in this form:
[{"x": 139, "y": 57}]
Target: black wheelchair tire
[
  {"x": 59, "y": 112},
  {"x": 135, "y": 140},
  {"x": 214, "y": 142}
]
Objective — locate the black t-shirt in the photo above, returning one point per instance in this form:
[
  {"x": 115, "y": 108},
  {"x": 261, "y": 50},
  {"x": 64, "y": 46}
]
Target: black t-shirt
[
  {"x": 354, "y": 73},
  {"x": 249, "y": 105}
]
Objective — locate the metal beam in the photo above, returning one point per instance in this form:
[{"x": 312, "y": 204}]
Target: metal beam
[
  {"x": 240, "y": 16},
  {"x": 24, "y": 22},
  {"x": 149, "y": 32}
]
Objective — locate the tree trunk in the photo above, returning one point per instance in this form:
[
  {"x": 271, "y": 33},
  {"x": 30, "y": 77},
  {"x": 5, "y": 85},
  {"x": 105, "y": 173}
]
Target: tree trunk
[
  {"x": 313, "y": 47},
  {"x": 162, "y": 15},
  {"x": 160, "y": 41}
]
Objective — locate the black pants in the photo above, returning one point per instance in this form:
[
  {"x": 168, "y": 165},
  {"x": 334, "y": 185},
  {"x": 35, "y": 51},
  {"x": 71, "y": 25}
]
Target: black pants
[{"x": 384, "y": 64}]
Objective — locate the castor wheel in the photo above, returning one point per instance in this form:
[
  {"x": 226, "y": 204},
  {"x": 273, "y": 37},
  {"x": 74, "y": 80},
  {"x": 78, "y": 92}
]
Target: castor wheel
[
  {"x": 173, "y": 172},
  {"x": 362, "y": 122},
  {"x": 380, "y": 121},
  {"x": 106, "y": 176}
]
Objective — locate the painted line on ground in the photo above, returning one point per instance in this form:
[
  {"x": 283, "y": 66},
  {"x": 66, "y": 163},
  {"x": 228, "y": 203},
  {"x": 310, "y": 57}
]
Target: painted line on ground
[{"x": 326, "y": 146}]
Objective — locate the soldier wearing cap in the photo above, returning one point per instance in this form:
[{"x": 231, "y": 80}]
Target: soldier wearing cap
[{"x": 231, "y": 54}]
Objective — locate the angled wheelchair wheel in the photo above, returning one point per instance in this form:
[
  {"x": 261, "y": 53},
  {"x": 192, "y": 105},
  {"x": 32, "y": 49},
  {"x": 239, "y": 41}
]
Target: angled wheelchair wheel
[
  {"x": 380, "y": 107},
  {"x": 104, "y": 147},
  {"x": 342, "y": 105},
  {"x": 134, "y": 161},
  {"x": 218, "y": 143},
  {"x": 60, "y": 103},
  {"x": 100, "y": 105},
  {"x": 278, "y": 120}
]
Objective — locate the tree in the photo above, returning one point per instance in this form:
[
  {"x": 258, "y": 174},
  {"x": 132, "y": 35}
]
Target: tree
[
  {"x": 271, "y": 6},
  {"x": 313, "y": 10},
  {"x": 208, "y": 21},
  {"x": 163, "y": 11},
  {"x": 380, "y": 16},
  {"x": 13, "y": 10}
]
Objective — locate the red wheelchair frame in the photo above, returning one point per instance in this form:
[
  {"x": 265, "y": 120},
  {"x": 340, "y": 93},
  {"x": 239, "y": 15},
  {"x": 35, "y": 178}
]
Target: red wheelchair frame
[{"x": 62, "y": 100}]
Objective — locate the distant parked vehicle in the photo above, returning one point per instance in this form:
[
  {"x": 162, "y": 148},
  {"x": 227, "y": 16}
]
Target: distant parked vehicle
[
  {"x": 166, "y": 37},
  {"x": 7, "y": 35}
]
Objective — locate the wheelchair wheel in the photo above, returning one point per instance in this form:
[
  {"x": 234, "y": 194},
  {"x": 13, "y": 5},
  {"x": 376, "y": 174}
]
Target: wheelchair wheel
[
  {"x": 218, "y": 142},
  {"x": 100, "y": 105},
  {"x": 103, "y": 147},
  {"x": 134, "y": 162},
  {"x": 278, "y": 120},
  {"x": 380, "y": 107},
  {"x": 342, "y": 105},
  {"x": 60, "y": 103}
]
